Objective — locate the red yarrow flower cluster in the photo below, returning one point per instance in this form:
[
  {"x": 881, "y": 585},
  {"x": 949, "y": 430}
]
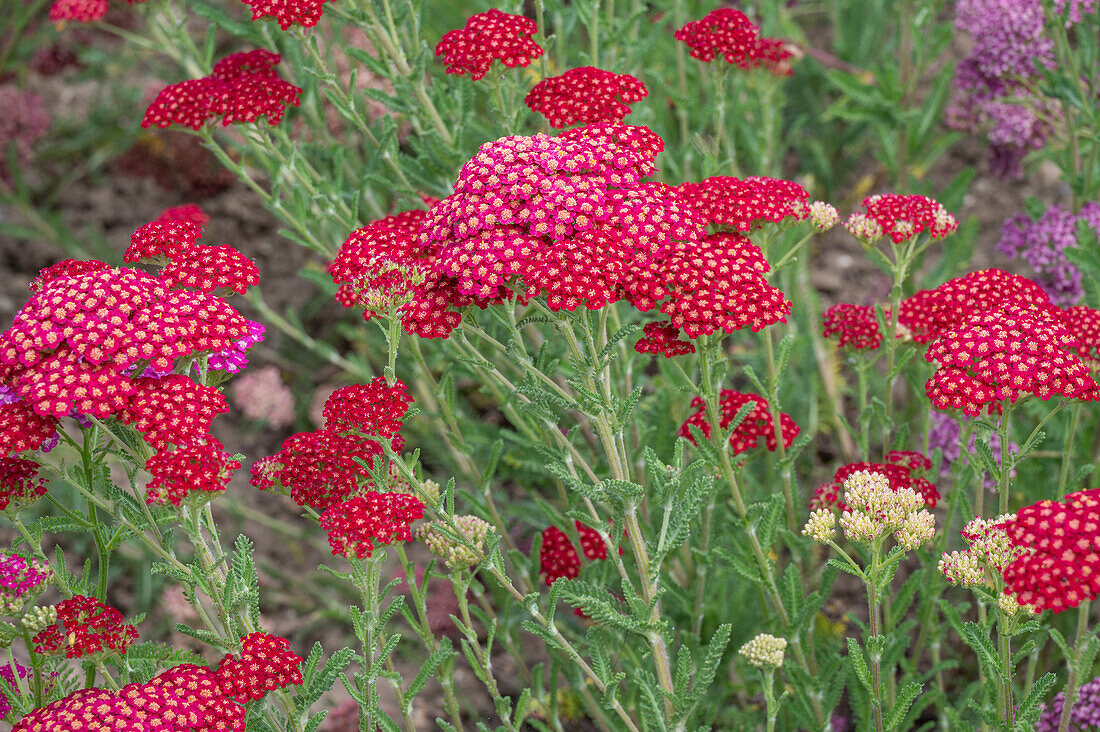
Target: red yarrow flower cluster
[
  {"x": 20, "y": 484},
  {"x": 376, "y": 408},
  {"x": 265, "y": 663},
  {"x": 329, "y": 466},
  {"x": 74, "y": 345},
  {"x": 746, "y": 204},
  {"x": 855, "y": 324},
  {"x": 663, "y": 339},
  {"x": 185, "y": 698},
  {"x": 21, "y": 429},
  {"x": 903, "y": 469},
  {"x": 356, "y": 525},
  {"x": 199, "y": 467},
  {"x": 242, "y": 88},
  {"x": 379, "y": 266},
  {"x": 85, "y": 626},
  {"x": 756, "y": 424},
  {"x": 163, "y": 238},
  {"x": 1060, "y": 568},
  {"x": 1001, "y": 354},
  {"x": 1083, "y": 324},
  {"x": 558, "y": 556},
  {"x": 208, "y": 269},
  {"x": 487, "y": 37},
  {"x": 66, "y": 268},
  {"x": 904, "y": 217},
  {"x": 730, "y": 33},
  {"x": 586, "y": 94},
  {"x": 305, "y": 13},
  {"x": 184, "y": 212},
  {"x": 81, "y": 11},
  {"x": 172, "y": 409}
]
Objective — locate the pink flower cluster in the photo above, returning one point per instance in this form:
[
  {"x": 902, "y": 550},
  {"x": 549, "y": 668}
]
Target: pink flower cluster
[
  {"x": 586, "y": 94},
  {"x": 242, "y": 88},
  {"x": 20, "y": 580}
]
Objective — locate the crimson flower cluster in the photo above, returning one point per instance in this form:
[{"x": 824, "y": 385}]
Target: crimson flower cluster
[
  {"x": 729, "y": 33},
  {"x": 81, "y": 11},
  {"x": 1083, "y": 324},
  {"x": 20, "y": 483},
  {"x": 85, "y": 626},
  {"x": 855, "y": 324},
  {"x": 487, "y": 37},
  {"x": 1002, "y": 354},
  {"x": 586, "y": 94},
  {"x": 1061, "y": 565},
  {"x": 242, "y": 88},
  {"x": 185, "y": 698},
  {"x": 558, "y": 556},
  {"x": 756, "y": 424},
  {"x": 305, "y": 13},
  {"x": 567, "y": 218},
  {"x": 902, "y": 217},
  {"x": 330, "y": 469},
  {"x": 745, "y": 204},
  {"x": 903, "y": 469}
]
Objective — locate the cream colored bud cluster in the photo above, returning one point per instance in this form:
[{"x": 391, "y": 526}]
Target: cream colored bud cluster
[
  {"x": 455, "y": 554},
  {"x": 821, "y": 526},
  {"x": 875, "y": 509},
  {"x": 38, "y": 619},
  {"x": 945, "y": 221},
  {"x": 765, "y": 651},
  {"x": 962, "y": 568},
  {"x": 989, "y": 540},
  {"x": 431, "y": 490},
  {"x": 823, "y": 215},
  {"x": 864, "y": 228},
  {"x": 1009, "y": 605}
]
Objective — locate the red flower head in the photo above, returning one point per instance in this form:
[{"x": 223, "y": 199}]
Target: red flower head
[
  {"x": 756, "y": 424},
  {"x": 172, "y": 409},
  {"x": 901, "y": 471},
  {"x": 355, "y": 525},
  {"x": 265, "y": 664},
  {"x": 855, "y": 324},
  {"x": 242, "y": 88},
  {"x": 928, "y": 314},
  {"x": 162, "y": 238},
  {"x": 586, "y": 94},
  {"x": 380, "y": 265},
  {"x": 718, "y": 283},
  {"x": 374, "y": 409},
  {"x": 74, "y": 344},
  {"x": 200, "y": 466},
  {"x": 81, "y": 11},
  {"x": 488, "y": 37},
  {"x": 85, "y": 626},
  {"x": 1083, "y": 324},
  {"x": 1001, "y": 354},
  {"x": 558, "y": 556},
  {"x": 211, "y": 268},
  {"x": 1061, "y": 566},
  {"x": 904, "y": 217},
  {"x": 65, "y": 268},
  {"x": 320, "y": 468},
  {"x": 20, "y": 483},
  {"x": 746, "y": 204},
  {"x": 664, "y": 339},
  {"x": 305, "y": 13},
  {"x": 21, "y": 429},
  {"x": 730, "y": 33},
  {"x": 186, "y": 212}
]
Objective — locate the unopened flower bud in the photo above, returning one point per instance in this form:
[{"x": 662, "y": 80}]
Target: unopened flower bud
[
  {"x": 919, "y": 529},
  {"x": 431, "y": 490},
  {"x": 765, "y": 651},
  {"x": 821, "y": 526},
  {"x": 864, "y": 228},
  {"x": 455, "y": 554},
  {"x": 823, "y": 215},
  {"x": 962, "y": 568},
  {"x": 38, "y": 619}
]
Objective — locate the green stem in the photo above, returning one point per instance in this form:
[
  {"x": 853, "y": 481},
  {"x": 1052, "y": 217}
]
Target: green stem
[
  {"x": 1004, "y": 485},
  {"x": 1067, "y": 448},
  {"x": 777, "y": 426},
  {"x": 875, "y": 641},
  {"x": 1070, "y": 695},
  {"x": 1004, "y": 650}
]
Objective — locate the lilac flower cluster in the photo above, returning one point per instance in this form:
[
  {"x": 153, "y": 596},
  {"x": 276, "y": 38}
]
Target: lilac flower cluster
[
  {"x": 1085, "y": 714},
  {"x": 20, "y": 579},
  {"x": 1042, "y": 244},
  {"x": 1077, "y": 9},
  {"x": 991, "y": 82},
  {"x": 945, "y": 432},
  {"x": 235, "y": 358}
]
